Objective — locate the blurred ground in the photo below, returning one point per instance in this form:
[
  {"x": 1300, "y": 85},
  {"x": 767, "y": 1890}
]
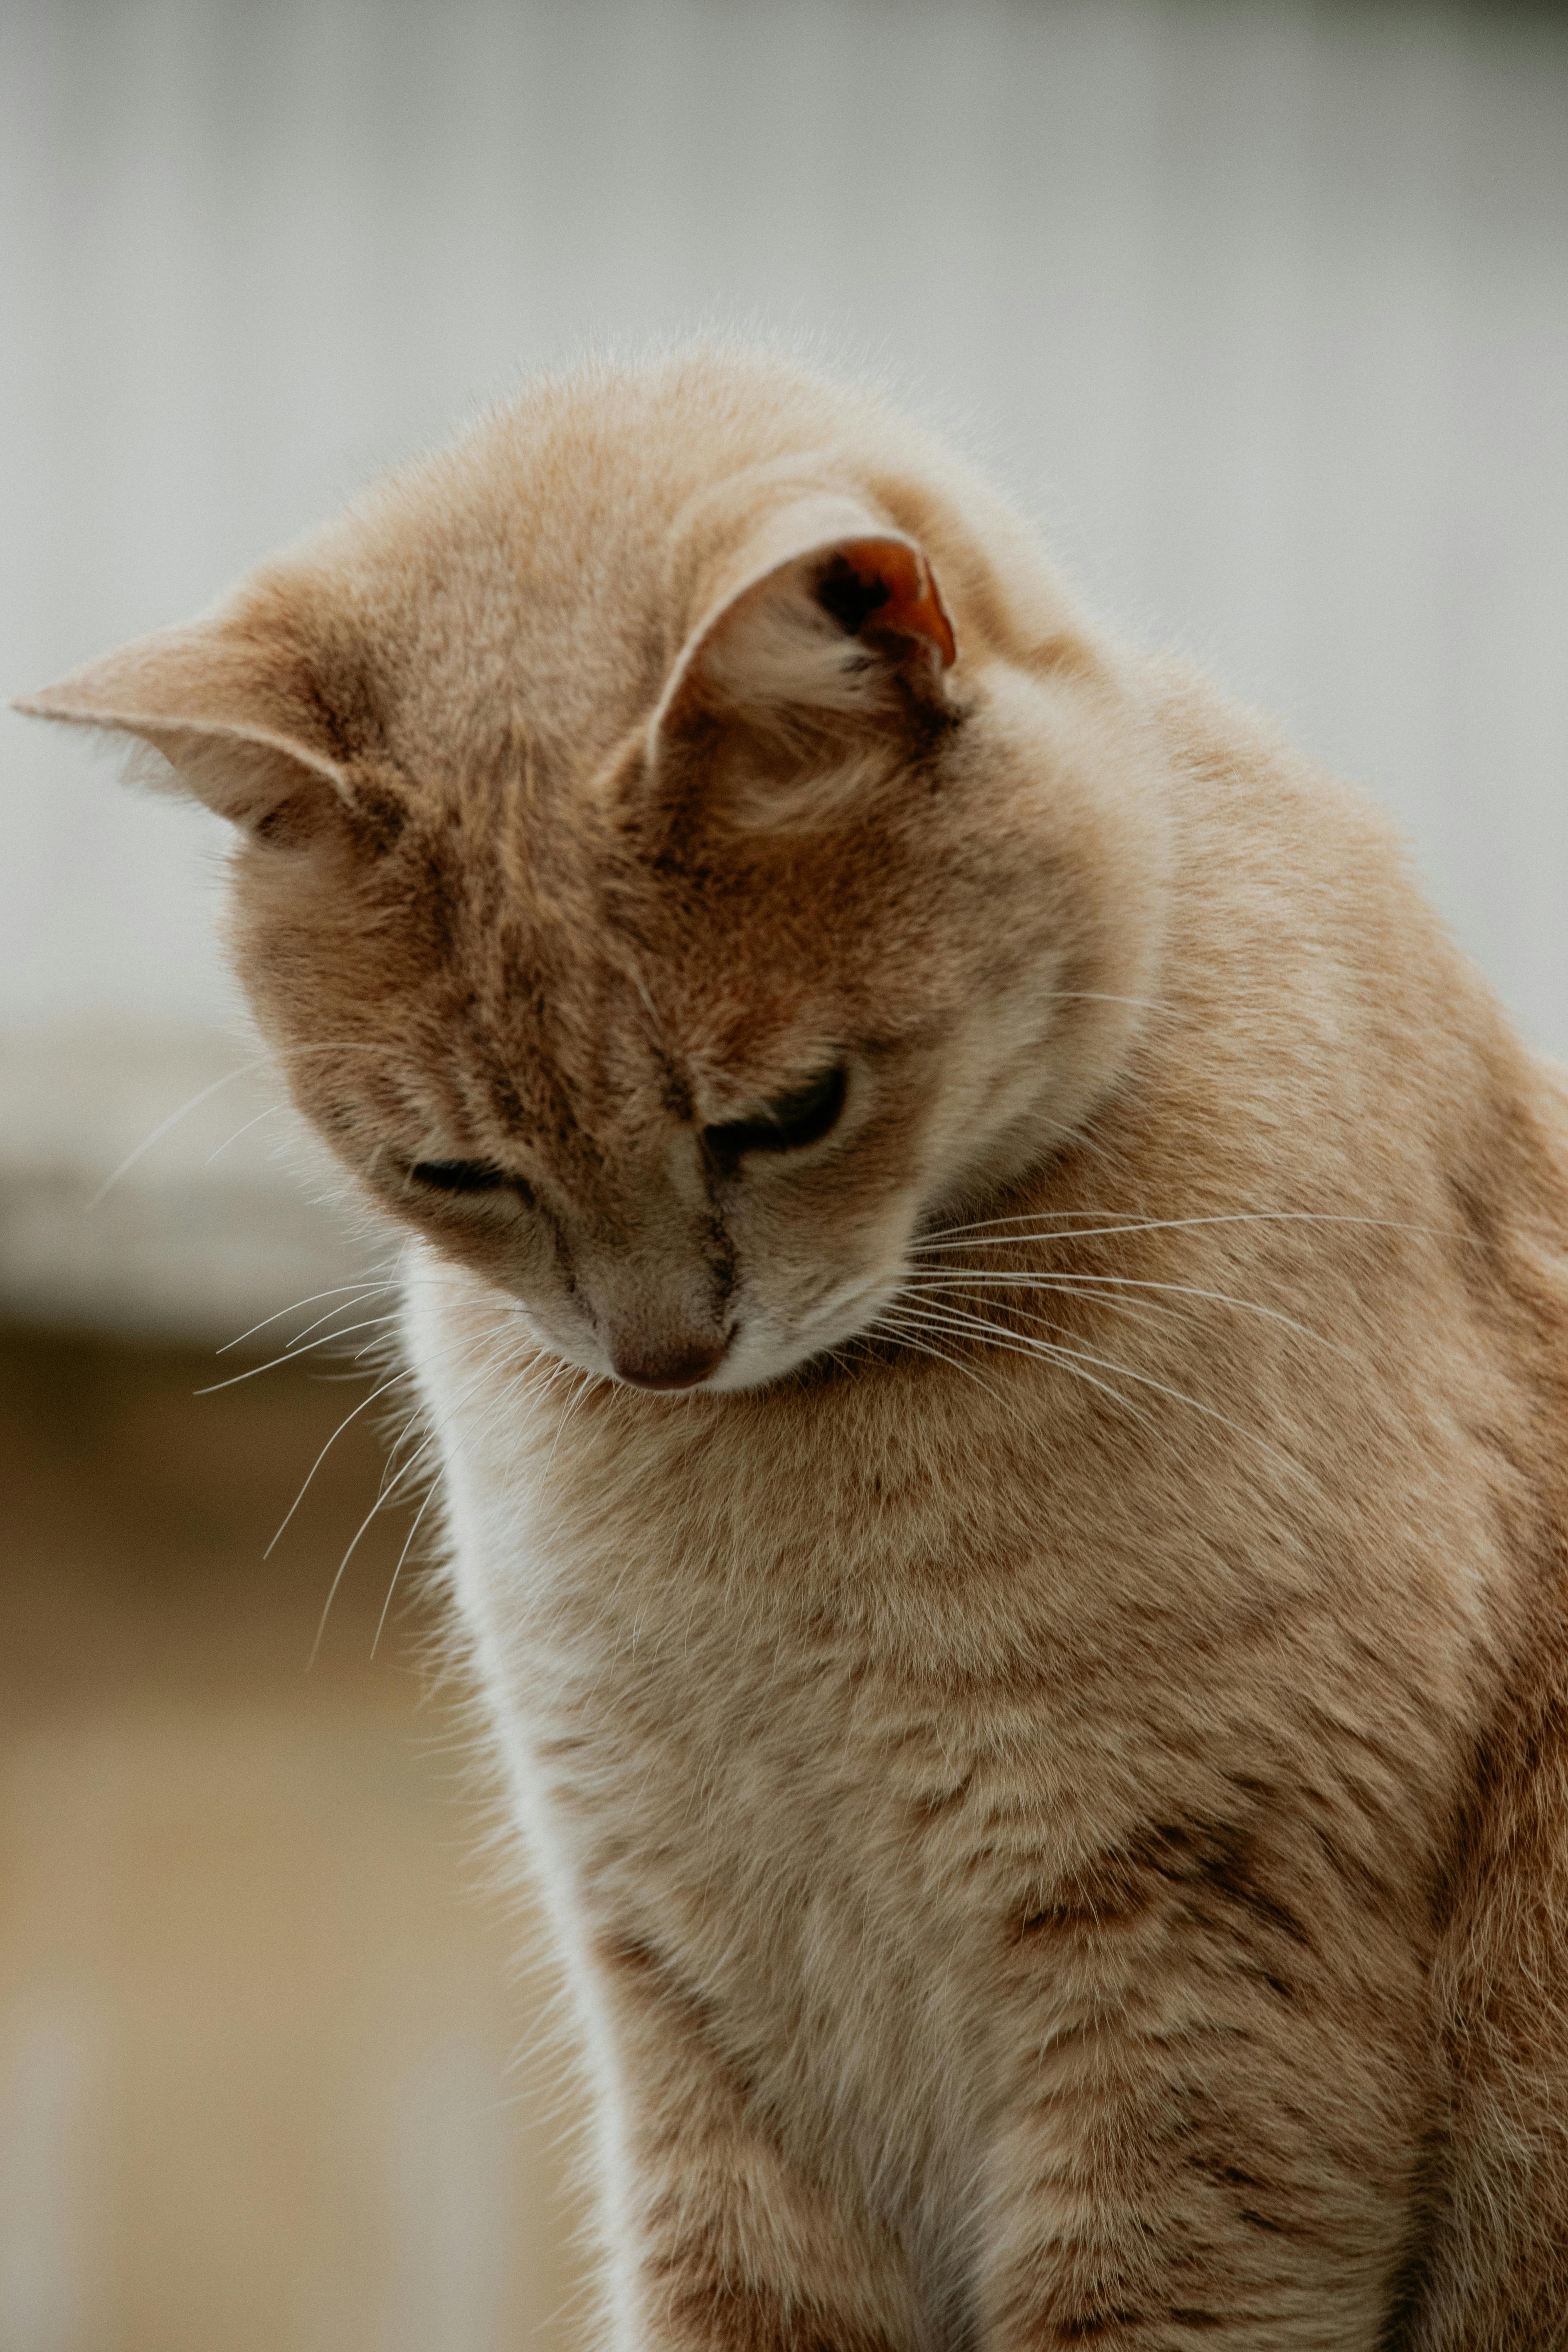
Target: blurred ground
[{"x": 256, "y": 2014}]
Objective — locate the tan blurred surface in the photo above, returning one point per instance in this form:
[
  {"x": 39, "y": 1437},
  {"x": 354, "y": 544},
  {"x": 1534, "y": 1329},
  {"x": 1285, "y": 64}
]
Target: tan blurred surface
[{"x": 258, "y": 2016}]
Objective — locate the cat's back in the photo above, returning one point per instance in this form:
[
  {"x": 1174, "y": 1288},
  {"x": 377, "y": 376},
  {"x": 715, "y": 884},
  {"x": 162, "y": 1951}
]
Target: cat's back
[{"x": 1445, "y": 1111}]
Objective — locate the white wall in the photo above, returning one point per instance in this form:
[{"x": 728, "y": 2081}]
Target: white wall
[{"x": 1263, "y": 310}]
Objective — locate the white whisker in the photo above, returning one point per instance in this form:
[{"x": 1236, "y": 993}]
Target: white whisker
[
  {"x": 888, "y": 1323},
  {"x": 974, "y": 1326},
  {"x": 947, "y": 1239},
  {"x": 386, "y": 1283},
  {"x": 291, "y": 1355},
  {"x": 572, "y": 1401},
  {"x": 159, "y": 1132},
  {"x": 1100, "y": 996},
  {"x": 1148, "y": 1312},
  {"x": 1145, "y": 1380},
  {"x": 391, "y": 1481},
  {"x": 326, "y": 1449},
  {"x": 1132, "y": 1282},
  {"x": 431, "y": 1494},
  {"x": 270, "y": 1112},
  {"x": 204, "y": 1094}
]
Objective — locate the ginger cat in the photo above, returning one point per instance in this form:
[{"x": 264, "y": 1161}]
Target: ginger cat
[{"x": 994, "y": 1298}]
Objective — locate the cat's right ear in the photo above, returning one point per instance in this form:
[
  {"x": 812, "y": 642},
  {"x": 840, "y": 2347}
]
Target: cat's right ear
[
  {"x": 237, "y": 705},
  {"x": 828, "y": 618}
]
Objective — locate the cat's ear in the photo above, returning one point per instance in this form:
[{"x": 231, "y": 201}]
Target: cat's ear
[
  {"x": 235, "y": 702},
  {"x": 828, "y": 617}
]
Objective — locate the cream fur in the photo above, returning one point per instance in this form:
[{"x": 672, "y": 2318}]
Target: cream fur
[{"x": 1050, "y": 1758}]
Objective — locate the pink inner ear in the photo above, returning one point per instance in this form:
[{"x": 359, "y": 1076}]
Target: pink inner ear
[{"x": 908, "y": 604}]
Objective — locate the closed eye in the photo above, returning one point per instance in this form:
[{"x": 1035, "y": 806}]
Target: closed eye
[
  {"x": 460, "y": 1176},
  {"x": 788, "y": 1123}
]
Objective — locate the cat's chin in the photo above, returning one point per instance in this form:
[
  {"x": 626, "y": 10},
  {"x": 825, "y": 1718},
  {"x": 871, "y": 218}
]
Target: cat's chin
[
  {"x": 764, "y": 1348},
  {"x": 746, "y": 1368},
  {"x": 755, "y": 1360}
]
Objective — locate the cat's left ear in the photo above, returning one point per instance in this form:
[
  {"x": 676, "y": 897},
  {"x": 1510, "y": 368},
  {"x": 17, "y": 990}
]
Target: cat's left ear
[
  {"x": 833, "y": 617},
  {"x": 239, "y": 705}
]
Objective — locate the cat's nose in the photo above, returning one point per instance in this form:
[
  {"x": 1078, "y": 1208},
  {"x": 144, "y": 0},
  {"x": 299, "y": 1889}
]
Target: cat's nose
[{"x": 672, "y": 1364}]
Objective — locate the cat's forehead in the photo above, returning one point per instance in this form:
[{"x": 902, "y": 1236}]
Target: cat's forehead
[
  {"x": 535, "y": 580},
  {"x": 524, "y": 598},
  {"x": 637, "y": 971}
]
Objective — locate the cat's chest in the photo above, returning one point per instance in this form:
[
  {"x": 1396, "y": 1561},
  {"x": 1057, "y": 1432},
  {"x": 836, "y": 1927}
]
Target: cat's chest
[
  {"x": 715, "y": 1741},
  {"x": 740, "y": 1763}
]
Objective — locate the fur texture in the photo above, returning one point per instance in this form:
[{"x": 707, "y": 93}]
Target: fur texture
[{"x": 993, "y": 1290}]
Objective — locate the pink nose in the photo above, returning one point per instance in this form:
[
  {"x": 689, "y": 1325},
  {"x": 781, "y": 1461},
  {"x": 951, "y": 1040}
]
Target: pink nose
[{"x": 680, "y": 1365}]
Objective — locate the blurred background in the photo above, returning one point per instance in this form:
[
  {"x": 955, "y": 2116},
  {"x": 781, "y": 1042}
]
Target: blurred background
[{"x": 1261, "y": 311}]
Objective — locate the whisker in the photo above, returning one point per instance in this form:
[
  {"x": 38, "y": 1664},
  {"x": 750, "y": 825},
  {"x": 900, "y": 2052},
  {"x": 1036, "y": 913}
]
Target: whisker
[
  {"x": 403, "y": 1555},
  {"x": 1022, "y": 1216},
  {"x": 1047, "y": 1281},
  {"x": 888, "y": 1324},
  {"x": 572, "y": 1401},
  {"x": 947, "y": 1239},
  {"x": 204, "y": 1094},
  {"x": 292, "y": 1353},
  {"x": 368, "y": 1346},
  {"x": 159, "y": 1132},
  {"x": 336, "y": 1291},
  {"x": 1145, "y": 1380},
  {"x": 1147, "y": 1311},
  {"x": 390, "y": 1482},
  {"x": 1080, "y": 1139},
  {"x": 326, "y": 1449},
  {"x": 1098, "y": 996},
  {"x": 270, "y": 1112},
  {"x": 1018, "y": 1343}
]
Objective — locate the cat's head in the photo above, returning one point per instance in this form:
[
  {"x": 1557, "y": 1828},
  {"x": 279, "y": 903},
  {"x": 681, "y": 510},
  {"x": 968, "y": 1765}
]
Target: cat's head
[{"x": 687, "y": 844}]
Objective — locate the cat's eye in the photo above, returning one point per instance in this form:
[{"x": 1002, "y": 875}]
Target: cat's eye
[
  {"x": 460, "y": 1176},
  {"x": 788, "y": 1123}
]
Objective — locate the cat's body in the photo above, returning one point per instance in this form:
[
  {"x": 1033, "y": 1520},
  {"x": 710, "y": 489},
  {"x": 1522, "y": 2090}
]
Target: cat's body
[
  {"x": 887, "y": 1780},
  {"x": 1051, "y": 1756}
]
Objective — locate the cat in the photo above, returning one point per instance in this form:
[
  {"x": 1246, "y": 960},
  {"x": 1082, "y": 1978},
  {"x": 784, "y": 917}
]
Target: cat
[{"x": 992, "y": 1293}]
